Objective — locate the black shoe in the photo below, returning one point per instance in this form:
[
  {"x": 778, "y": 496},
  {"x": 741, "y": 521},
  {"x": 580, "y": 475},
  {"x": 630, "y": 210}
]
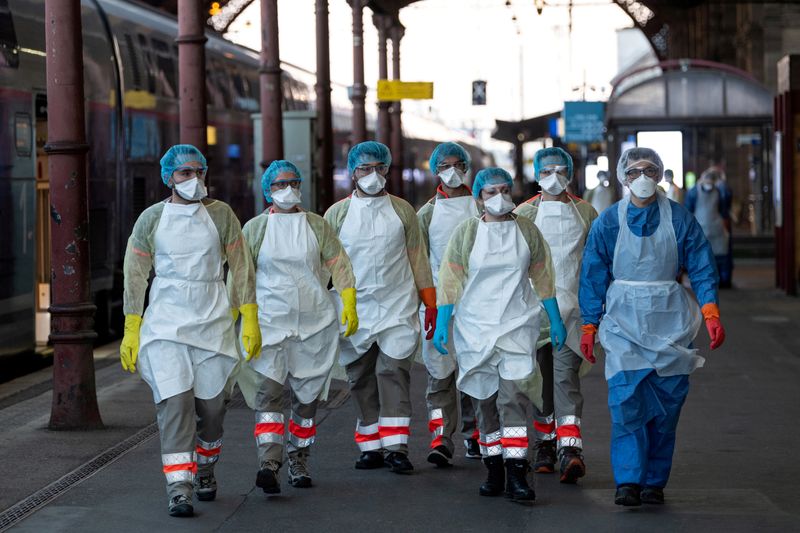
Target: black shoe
[
  {"x": 572, "y": 466},
  {"x": 493, "y": 486},
  {"x": 398, "y": 463},
  {"x": 440, "y": 456},
  {"x": 517, "y": 481},
  {"x": 181, "y": 506},
  {"x": 473, "y": 449},
  {"x": 205, "y": 487},
  {"x": 267, "y": 477},
  {"x": 652, "y": 495},
  {"x": 370, "y": 460},
  {"x": 299, "y": 476},
  {"x": 628, "y": 495},
  {"x": 545, "y": 462}
]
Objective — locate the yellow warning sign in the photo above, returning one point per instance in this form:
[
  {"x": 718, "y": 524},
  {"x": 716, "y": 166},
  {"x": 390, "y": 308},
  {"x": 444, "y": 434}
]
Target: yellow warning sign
[{"x": 393, "y": 90}]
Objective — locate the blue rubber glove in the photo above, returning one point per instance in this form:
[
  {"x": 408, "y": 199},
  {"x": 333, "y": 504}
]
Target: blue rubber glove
[
  {"x": 558, "y": 333},
  {"x": 440, "y": 334}
]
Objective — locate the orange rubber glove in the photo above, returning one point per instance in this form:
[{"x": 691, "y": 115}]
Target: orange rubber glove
[
  {"x": 713, "y": 325},
  {"x": 428, "y": 297},
  {"x": 587, "y": 342}
]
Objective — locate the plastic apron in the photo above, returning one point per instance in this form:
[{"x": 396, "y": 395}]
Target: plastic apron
[
  {"x": 293, "y": 303},
  {"x": 387, "y": 302},
  {"x": 497, "y": 319},
  {"x": 447, "y": 214},
  {"x": 189, "y": 307},
  {"x": 706, "y": 212},
  {"x": 650, "y": 319}
]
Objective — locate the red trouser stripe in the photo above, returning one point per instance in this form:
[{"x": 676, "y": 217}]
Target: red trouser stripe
[
  {"x": 208, "y": 453},
  {"x": 490, "y": 444},
  {"x": 360, "y": 437},
  {"x": 569, "y": 430},
  {"x": 544, "y": 428},
  {"x": 476, "y": 434},
  {"x": 301, "y": 432},
  {"x": 387, "y": 431},
  {"x": 191, "y": 467},
  {"x": 519, "y": 442},
  {"x": 436, "y": 442},
  {"x": 272, "y": 427},
  {"x": 435, "y": 423}
]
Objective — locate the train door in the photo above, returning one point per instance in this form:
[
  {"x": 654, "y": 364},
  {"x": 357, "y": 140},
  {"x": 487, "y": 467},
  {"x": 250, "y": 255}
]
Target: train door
[{"x": 42, "y": 282}]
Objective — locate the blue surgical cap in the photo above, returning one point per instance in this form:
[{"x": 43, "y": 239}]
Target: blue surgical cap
[
  {"x": 490, "y": 176},
  {"x": 178, "y": 155},
  {"x": 447, "y": 150},
  {"x": 367, "y": 152},
  {"x": 551, "y": 156},
  {"x": 631, "y": 155},
  {"x": 275, "y": 169}
]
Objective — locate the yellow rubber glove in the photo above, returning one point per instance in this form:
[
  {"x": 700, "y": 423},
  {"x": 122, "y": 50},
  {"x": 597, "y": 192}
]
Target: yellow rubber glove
[
  {"x": 349, "y": 314},
  {"x": 251, "y": 332},
  {"x": 234, "y": 314},
  {"x": 129, "y": 349}
]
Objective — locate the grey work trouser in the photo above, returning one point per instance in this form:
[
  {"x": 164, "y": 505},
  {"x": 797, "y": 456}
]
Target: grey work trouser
[
  {"x": 443, "y": 401},
  {"x": 191, "y": 437},
  {"x": 270, "y": 424},
  {"x": 562, "y": 401},
  {"x": 381, "y": 388},
  {"x": 503, "y": 422}
]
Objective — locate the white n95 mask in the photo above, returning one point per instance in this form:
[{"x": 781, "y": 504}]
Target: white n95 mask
[
  {"x": 372, "y": 183},
  {"x": 499, "y": 205},
  {"x": 554, "y": 184},
  {"x": 451, "y": 178},
  {"x": 643, "y": 187},
  {"x": 191, "y": 190},
  {"x": 286, "y": 198}
]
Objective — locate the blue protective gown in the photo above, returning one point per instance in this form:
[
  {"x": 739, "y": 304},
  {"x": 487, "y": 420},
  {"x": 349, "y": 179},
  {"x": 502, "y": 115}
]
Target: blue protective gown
[
  {"x": 725, "y": 261},
  {"x": 644, "y": 406}
]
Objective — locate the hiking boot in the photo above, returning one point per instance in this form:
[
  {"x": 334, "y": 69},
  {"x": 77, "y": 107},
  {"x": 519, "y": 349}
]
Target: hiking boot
[
  {"x": 399, "y": 463},
  {"x": 369, "y": 461},
  {"x": 652, "y": 495},
  {"x": 496, "y": 478},
  {"x": 628, "y": 495},
  {"x": 572, "y": 466},
  {"x": 267, "y": 477},
  {"x": 205, "y": 487},
  {"x": 181, "y": 506},
  {"x": 545, "y": 461},
  {"x": 517, "y": 480},
  {"x": 440, "y": 456},
  {"x": 299, "y": 475},
  {"x": 473, "y": 449}
]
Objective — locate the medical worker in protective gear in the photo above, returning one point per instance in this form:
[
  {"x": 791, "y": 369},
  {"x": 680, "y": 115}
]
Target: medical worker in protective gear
[
  {"x": 438, "y": 218},
  {"x": 294, "y": 253},
  {"x": 674, "y": 192},
  {"x": 647, "y": 321},
  {"x": 564, "y": 221},
  {"x": 602, "y": 196},
  {"x": 185, "y": 345},
  {"x": 709, "y": 203},
  {"x": 490, "y": 270},
  {"x": 381, "y": 235}
]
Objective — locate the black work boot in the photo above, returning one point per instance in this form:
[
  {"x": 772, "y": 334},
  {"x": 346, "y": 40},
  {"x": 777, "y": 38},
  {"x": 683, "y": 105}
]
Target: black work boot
[
  {"x": 517, "y": 480},
  {"x": 370, "y": 460},
  {"x": 181, "y": 506},
  {"x": 440, "y": 456},
  {"x": 629, "y": 495},
  {"x": 493, "y": 486},
  {"x": 205, "y": 487},
  {"x": 267, "y": 477},
  {"x": 653, "y": 495},
  {"x": 398, "y": 463},
  {"x": 572, "y": 466},
  {"x": 545, "y": 462}
]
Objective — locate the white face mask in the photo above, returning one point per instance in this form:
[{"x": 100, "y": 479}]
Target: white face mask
[
  {"x": 191, "y": 190},
  {"x": 372, "y": 183},
  {"x": 554, "y": 184},
  {"x": 499, "y": 205},
  {"x": 452, "y": 178},
  {"x": 286, "y": 198},
  {"x": 708, "y": 187},
  {"x": 643, "y": 187}
]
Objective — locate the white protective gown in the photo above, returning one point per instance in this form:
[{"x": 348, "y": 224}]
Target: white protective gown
[
  {"x": 706, "y": 211},
  {"x": 650, "y": 320},
  {"x": 602, "y": 198},
  {"x": 187, "y": 336},
  {"x": 387, "y": 302},
  {"x": 447, "y": 214},
  {"x": 497, "y": 318}
]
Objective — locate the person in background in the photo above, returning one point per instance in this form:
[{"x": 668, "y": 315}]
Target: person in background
[
  {"x": 602, "y": 196},
  {"x": 674, "y": 192},
  {"x": 710, "y": 202}
]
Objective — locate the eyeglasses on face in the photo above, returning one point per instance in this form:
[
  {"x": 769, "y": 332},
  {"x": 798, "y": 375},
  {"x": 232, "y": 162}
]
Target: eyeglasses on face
[
  {"x": 189, "y": 172},
  {"x": 458, "y": 165},
  {"x": 366, "y": 170},
  {"x": 634, "y": 173},
  {"x": 294, "y": 184},
  {"x": 558, "y": 169}
]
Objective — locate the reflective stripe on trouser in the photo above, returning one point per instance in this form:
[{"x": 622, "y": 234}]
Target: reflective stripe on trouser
[
  {"x": 502, "y": 421},
  {"x": 208, "y": 452},
  {"x": 568, "y": 431},
  {"x": 561, "y": 392},
  {"x": 367, "y": 437},
  {"x": 441, "y": 397},
  {"x": 184, "y": 422},
  {"x": 436, "y": 427},
  {"x": 270, "y": 423},
  {"x": 644, "y": 409},
  {"x": 302, "y": 431},
  {"x": 380, "y": 387}
]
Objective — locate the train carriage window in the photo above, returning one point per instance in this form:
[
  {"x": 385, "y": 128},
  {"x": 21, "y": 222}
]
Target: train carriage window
[
  {"x": 149, "y": 66},
  {"x": 167, "y": 75},
  {"x": 9, "y": 48},
  {"x": 133, "y": 60},
  {"x": 23, "y": 134}
]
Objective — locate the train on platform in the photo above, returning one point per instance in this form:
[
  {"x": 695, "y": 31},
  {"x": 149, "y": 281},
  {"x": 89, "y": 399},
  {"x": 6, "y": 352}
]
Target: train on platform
[{"x": 131, "y": 90}]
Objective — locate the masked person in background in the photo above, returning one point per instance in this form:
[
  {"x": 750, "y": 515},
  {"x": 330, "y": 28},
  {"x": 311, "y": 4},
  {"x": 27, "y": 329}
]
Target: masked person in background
[
  {"x": 491, "y": 268},
  {"x": 710, "y": 204},
  {"x": 186, "y": 343},
  {"x": 647, "y": 321},
  {"x": 602, "y": 196},
  {"x": 438, "y": 218},
  {"x": 381, "y": 235},
  {"x": 674, "y": 192},
  {"x": 564, "y": 221},
  {"x": 294, "y": 251}
]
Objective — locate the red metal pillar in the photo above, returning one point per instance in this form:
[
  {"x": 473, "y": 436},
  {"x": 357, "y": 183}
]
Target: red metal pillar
[
  {"x": 74, "y": 395},
  {"x": 384, "y": 126},
  {"x": 396, "y": 34},
  {"x": 324, "y": 113},
  {"x": 359, "y": 93},
  {"x": 192, "y": 73},
  {"x": 270, "y": 72}
]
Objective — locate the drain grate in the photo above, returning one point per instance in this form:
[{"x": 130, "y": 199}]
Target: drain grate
[{"x": 20, "y": 510}]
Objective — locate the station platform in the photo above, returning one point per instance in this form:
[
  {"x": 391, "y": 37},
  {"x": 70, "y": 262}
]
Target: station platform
[{"x": 734, "y": 467}]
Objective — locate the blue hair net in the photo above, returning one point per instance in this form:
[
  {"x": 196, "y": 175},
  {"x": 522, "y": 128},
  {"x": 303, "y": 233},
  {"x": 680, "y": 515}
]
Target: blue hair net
[
  {"x": 178, "y": 155},
  {"x": 631, "y": 155},
  {"x": 490, "y": 176},
  {"x": 276, "y": 168},
  {"x": 367, "y": 152},
  {"x": 446, "y": 150},
  {"x": 551, "y": 156}
]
